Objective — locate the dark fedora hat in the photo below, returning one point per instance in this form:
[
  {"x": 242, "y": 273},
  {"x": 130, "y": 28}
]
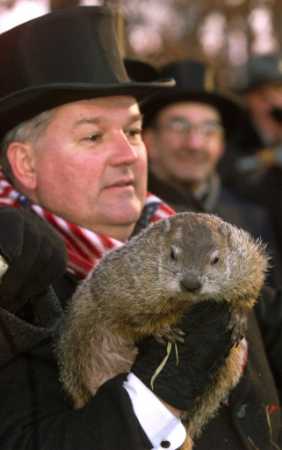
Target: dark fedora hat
[
  {"x": 195, "y": 81},
  {"x": 64, "y": 56},
  {"x": 258, "y": 71}
]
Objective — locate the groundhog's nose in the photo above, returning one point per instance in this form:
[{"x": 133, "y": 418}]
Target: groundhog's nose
[{"x": 191, "y": 283}]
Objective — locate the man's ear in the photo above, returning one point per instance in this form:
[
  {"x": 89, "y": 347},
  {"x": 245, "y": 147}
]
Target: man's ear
[
  {"x": 21, "y": 159},
  {"x": 221, "y": 150}
]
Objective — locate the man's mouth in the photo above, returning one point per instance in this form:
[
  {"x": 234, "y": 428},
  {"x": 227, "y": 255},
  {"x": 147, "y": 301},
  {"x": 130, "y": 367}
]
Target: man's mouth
[
  {"x": 121, "y": 183},
  {"x": 197, "y": 158}
]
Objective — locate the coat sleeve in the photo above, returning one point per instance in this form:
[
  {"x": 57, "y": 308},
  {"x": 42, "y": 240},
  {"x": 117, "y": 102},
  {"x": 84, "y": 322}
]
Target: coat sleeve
[
  {"x": 35, "y": 415},
  {"x": 269, "y": 314}
]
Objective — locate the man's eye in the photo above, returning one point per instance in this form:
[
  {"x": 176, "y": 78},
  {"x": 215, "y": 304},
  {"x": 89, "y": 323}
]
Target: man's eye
[
  {"x": 211, "y": 129},
  {"x": 134, "y": 134},
  {"x": 94, "y": 137}
]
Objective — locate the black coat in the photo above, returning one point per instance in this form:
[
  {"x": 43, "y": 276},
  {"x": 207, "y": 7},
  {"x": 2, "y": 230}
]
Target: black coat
[
  {"x": 243, "y": 423},
  {"x": 34, "y": 413}
]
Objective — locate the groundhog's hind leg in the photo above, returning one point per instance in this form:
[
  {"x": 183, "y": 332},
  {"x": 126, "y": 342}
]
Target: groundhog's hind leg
[
  {"x": 88, "y": 357},
  {"x": 226, "y": 379},
  {"x": 188, "y": 444}
]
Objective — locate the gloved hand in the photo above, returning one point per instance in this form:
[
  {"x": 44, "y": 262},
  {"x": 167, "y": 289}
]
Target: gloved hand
[
  {"x": 186, "y": 375},
  {"x": 34, "y": 252}
]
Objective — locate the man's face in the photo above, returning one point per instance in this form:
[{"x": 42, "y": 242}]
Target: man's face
[
  {"x": 90, "y": 164},
  {"x": 260, "y": 102},
  {"x": 186, "y": 143}
]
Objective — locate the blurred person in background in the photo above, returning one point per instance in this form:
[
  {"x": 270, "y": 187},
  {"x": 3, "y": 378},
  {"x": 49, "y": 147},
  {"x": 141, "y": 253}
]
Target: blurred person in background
[{"x": 253, "y": 166}]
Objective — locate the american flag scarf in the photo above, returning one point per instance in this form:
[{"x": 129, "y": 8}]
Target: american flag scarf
[{"x": 84, "y": 247}]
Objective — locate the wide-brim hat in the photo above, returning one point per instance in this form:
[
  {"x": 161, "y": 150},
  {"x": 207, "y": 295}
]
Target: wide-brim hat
[
  {"x": 195, "y": 81},
  {"x": 64, "y": 56},
  {"x": 258, "y": 71}
]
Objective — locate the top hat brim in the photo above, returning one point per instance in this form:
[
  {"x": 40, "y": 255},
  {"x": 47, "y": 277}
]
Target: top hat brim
[
  {"x": 259, "y": 70},
  {"x": 27, "y": 103},
  {"x": 230, "y": 109},
  {"x": 257, "y": 84}
]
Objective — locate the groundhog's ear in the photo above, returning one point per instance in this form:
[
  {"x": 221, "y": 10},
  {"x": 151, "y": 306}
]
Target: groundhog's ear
[{"x": 225, "y": 230}]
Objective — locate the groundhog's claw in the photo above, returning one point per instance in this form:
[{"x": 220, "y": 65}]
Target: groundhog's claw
[
  {"x": 172, "y": 335},
  {"x": 3, "y": 266}
]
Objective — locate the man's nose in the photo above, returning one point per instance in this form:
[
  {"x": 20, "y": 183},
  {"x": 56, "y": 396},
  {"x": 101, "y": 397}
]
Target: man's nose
[
  {"x": 194, "y": 139},
  {"x": 123, "y": 152}
]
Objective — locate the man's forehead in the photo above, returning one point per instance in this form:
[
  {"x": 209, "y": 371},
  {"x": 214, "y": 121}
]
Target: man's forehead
[
  {"x": 113, "y": 101},
  {"x": 274, "y": 87},
  {"x": 186, "y": 108},
  {"x": 266, "y": 88},
  {"x": 98, "y": 107}
]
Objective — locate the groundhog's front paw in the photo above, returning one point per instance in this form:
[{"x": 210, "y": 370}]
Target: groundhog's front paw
[
  {"x": 172, "y": 335},
  {"x": 3, "y": 267}
]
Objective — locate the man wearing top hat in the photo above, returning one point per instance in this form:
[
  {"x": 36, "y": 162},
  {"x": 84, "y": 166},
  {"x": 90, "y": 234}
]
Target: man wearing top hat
[
  {"x": 260, "y": 87},
  {"x": 184, "y": 130},
  {"x": 74, "y": 161}
]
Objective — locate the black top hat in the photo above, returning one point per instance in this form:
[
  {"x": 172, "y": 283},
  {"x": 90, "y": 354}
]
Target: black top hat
[
  {"x": 64, "y": 56},
  {"x": 260, "y": 70},
  {"x": 140, "y": 70},
  {"x": 195, "y": 81}
]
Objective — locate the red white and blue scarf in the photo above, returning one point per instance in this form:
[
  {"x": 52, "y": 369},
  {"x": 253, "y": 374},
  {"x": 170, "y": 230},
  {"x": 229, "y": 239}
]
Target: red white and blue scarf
[{"x": 85, "y": 248}]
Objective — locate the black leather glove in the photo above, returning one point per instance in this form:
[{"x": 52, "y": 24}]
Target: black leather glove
[
  {"x": 35, "y": 254},
  {"x": 187, "y": 372}
]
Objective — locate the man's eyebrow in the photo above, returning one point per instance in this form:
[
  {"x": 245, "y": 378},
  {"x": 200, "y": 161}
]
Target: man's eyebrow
[
  {"x": 98, "y": 120},
  {"x": 205, "y": 120},
  {"x": 135, "y": 118},
  {"x": 89, "y": 120}
]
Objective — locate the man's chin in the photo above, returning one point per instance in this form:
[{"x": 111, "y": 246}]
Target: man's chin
[
  {"x": 125, "y": 212},
  {"x": 195, "y": 173}
]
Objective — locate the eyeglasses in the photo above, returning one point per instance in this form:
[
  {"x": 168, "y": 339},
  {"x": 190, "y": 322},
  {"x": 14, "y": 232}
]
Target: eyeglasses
[{"x": 181, "y": 126}]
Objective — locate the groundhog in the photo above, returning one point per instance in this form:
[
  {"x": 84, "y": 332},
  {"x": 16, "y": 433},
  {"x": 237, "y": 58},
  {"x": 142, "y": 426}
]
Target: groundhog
[{"x": 144, "y": 287}]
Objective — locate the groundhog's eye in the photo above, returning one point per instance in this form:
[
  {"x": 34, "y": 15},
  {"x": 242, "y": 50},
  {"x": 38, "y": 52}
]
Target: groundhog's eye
[
  {"x": 174, "y": 252},
  {"x": 214, "y": 258}
]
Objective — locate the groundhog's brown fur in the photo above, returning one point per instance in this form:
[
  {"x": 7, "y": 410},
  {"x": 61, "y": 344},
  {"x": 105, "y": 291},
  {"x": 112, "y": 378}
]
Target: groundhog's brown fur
[{"x": 144, "y": 287}]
